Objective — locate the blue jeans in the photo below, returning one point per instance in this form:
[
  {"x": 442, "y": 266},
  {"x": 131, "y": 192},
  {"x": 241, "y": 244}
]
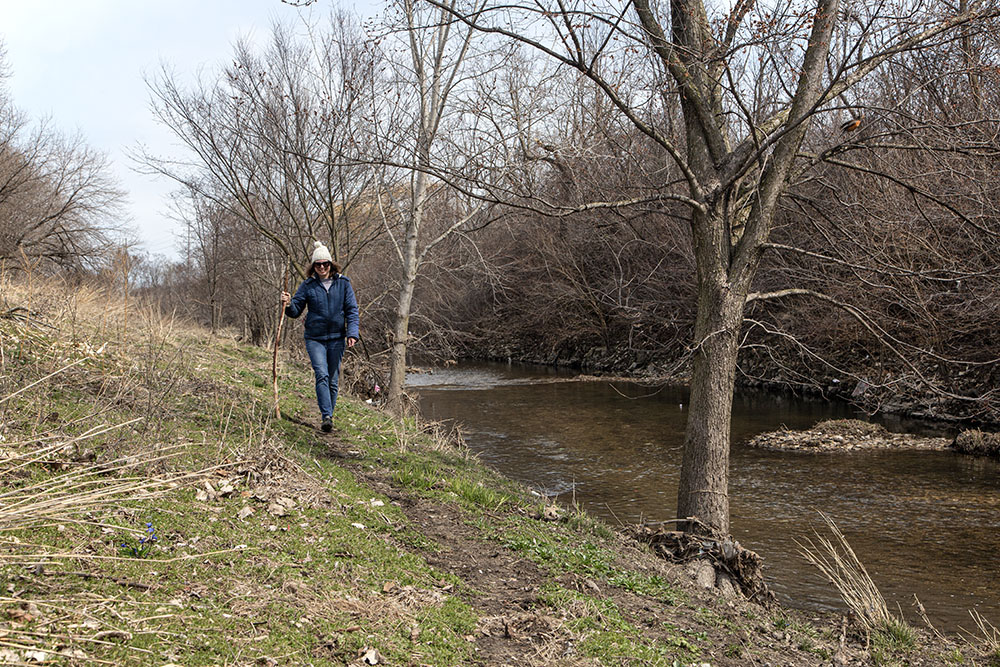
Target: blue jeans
[{"x": 325, "y": 356}]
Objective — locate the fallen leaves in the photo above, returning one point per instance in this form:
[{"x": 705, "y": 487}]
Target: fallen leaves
[
  {"x": 208, "y": 492},
  {"x": 352, "y": 628},
  {"x": 281, "y": 506},
  {"x": 25, "y": 614}
]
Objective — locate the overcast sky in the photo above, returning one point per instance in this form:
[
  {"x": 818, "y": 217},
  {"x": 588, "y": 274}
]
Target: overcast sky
[{"x": 82, "y": 62}]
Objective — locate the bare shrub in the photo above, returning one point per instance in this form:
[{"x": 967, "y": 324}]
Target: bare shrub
[{"x": 978, "y": 443}]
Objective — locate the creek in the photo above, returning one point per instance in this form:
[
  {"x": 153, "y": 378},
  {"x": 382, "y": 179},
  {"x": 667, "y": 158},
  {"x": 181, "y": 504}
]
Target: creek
[{"x": 922, "y": 522}]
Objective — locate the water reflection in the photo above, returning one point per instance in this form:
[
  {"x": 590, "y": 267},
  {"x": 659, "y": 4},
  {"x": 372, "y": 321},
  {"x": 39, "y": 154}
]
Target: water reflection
[{"x": 922, "y": 522}]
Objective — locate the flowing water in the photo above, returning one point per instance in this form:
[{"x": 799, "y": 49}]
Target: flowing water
[{"x": 924, "y": 523}]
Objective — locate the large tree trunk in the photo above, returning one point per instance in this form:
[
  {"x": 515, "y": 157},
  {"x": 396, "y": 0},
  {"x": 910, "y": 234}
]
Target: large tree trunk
[
  {"x": 704, "y": 485},
  {"x": 703, "y": 493}
]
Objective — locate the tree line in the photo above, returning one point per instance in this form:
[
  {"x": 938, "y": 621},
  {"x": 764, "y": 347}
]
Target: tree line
[
  {"x": 799, "y": 193},
  {"x": 59, "y": 206},
  {"x": 806, "y": 188}
]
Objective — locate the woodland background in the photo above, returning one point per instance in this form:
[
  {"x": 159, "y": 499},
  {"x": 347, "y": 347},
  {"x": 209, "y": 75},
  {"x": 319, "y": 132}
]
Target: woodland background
[{"x": 547, "y": 231}]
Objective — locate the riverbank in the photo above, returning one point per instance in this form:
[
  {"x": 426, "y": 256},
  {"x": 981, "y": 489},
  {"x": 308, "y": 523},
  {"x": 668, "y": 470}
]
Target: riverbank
[
  {"x": 665, "y": 368},
  {"x": 155, "y": 513}
]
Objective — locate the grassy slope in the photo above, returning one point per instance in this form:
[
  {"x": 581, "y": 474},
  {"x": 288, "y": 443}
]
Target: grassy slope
[{"x": 279, "y": 545}]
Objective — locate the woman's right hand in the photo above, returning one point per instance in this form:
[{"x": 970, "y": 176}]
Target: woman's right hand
[{"x": 285, "y": 298}]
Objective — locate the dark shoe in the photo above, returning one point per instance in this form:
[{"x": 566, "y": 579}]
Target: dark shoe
[{"x": 327, "y": 424}]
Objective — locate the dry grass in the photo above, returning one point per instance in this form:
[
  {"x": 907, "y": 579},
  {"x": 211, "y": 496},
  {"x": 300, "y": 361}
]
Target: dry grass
[
  {"x": 986, "y": 636},
  {"x": 74, "y": 464},
  {"x": 837, "y": 561},
  {"x": 72, "y": 330},
  {"x": 978, "y": 443},
  {"x": 88, "y": 631},
  {"x": 66, "y": 496}
]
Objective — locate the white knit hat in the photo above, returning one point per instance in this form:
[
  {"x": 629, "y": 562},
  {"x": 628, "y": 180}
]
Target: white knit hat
[{"x": 321, "y": 253}]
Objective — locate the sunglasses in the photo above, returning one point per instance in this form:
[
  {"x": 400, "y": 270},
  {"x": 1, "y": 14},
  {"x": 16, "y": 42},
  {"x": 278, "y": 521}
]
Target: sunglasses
[{"x": 323, "y": 265}]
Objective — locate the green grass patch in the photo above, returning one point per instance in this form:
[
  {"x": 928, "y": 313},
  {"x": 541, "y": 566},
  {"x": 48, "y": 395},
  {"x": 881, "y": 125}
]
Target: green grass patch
[
  {"x": 561, "y": 550},
  {"x": 891, "y": 642},
  {"x": 476, "y": 492},
  {"x": 420, "y": 475},
  {"x": 955, "y": 657},
  {"x": 580, "y": 521},
  {"x": 612, "y": 640},
  {"x": 649, "y": 585},
  {"x": 896, "y": 636}
]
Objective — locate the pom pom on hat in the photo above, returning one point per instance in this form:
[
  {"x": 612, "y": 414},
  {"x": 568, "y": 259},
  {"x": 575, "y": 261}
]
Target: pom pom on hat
[{"x": 321, "y": 253}]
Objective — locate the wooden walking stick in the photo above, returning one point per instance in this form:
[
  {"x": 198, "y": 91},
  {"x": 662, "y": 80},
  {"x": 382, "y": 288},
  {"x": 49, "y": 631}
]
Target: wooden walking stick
[{"x": 277, "y": 343}]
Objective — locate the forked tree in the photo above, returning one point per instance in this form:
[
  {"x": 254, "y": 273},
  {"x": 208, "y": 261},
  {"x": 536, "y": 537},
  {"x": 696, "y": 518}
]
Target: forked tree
[{"x": 727, "y": 94}]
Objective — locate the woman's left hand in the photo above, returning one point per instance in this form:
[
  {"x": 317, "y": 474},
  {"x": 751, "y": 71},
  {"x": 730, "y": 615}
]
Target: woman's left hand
[{"x": 351, "y": 342}]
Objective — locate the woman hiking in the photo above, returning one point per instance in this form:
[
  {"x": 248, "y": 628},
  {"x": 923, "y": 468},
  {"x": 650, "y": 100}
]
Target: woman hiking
[{"x": 331, "y": 324}]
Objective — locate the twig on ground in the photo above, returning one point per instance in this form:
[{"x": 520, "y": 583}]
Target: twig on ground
[{"x": 90, "y": 575}]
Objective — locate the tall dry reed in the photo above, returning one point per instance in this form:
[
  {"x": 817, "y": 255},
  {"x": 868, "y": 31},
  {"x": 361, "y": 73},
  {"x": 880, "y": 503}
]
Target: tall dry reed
[{"x": 837, "y": 561}]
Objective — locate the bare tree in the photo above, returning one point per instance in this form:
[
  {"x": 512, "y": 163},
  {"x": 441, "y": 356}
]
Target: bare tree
[
  {"x": 276, "y": 138},
  {"x": 420, "y": 166},
  {"x": 897, "y": 227},
  {"x": 749, "y": 83},
  {"x": 217, "y": 247},
  {"x": 57, "y": 200}
]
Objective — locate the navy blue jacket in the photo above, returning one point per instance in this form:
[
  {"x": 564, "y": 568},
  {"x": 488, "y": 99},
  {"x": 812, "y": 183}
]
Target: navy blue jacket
[{"x": 332, "y": 314}]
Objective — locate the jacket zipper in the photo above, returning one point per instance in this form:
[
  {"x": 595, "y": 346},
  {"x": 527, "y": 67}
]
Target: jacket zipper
[{"x": 329, "y": 310}]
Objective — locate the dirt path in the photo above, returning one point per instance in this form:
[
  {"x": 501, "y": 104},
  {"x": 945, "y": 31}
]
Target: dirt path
[{"x": 519, "y": 627}]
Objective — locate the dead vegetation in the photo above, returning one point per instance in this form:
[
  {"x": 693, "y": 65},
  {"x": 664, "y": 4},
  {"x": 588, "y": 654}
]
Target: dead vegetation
[
  {"x": 837, "y": 561},
  {"x": 844, "y": 435},
  {"x": 276, "y": 545},
  {"x": 977, "y": 443},
  {"x": 74, "y": 458}
]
